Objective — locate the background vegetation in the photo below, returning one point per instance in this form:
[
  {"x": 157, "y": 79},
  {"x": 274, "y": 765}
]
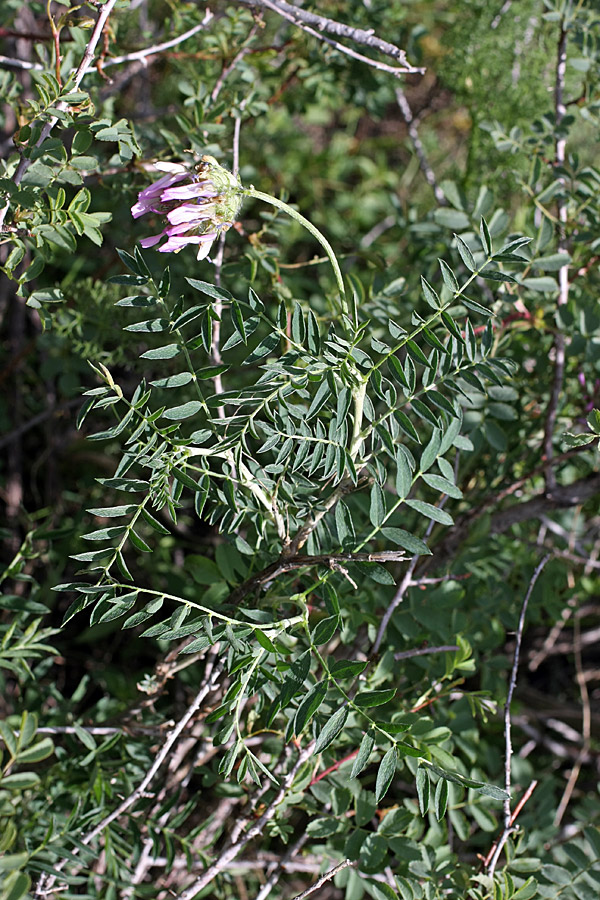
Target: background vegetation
[{"x": 301, "y": 594}]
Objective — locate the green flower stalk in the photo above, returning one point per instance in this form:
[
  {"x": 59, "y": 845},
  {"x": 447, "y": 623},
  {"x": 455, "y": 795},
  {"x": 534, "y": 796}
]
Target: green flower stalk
[{"x": 201, "y": 204}]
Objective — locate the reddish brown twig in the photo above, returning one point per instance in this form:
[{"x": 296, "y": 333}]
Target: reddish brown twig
[
  {"x": 334, "y": 767},
  {"x": 512, "y": 820}
]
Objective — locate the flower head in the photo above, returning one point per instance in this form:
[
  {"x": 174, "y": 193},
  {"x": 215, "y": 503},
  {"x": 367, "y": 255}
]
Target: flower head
[{"x": 198, "y": 205}]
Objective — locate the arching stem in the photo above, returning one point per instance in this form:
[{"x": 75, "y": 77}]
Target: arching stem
[{"x": 279, "y": 204}]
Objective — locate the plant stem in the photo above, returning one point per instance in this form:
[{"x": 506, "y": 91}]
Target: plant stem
[{"x": 279, "y": 204}]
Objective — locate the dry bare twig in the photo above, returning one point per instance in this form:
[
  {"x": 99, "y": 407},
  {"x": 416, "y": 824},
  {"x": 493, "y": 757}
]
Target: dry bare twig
[
  {"x": 288, "y": 564},
  {"x": 325, "y": 878},
  {"x": 135, "y": 56},
  {"x": 406, "y": 582},
  {"x": 276, "y": 869},
  {"x": 211, "y": 677},
  {"x": 510, "y": 817},
  {"x": 257, "y": 828},
  {"x": 426, "y": 651},
  {"x": 586, "y": 726},
  {"x": 315, "y": 25},
  {"x": 413, "y": 134}
]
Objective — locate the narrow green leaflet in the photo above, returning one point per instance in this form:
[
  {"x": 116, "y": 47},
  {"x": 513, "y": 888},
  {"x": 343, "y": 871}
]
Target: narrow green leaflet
[
  {"x": 385, "y": 774},
  {"x": 431, "y": 512},
  {"x": 407, "y": 541},
  {"x": 166, "y": 352},
  {"x": 364, "y": 752},
  {"x": 178, "y": 413},
  {"x": 441, "y": 798},
  {"x": 422, "y": 782},
  {"x": 465, "y": 253},
  {"x": 331, "y": 729},
  {"x": 366, "y": 699},
  {"x": 210, "y": 290},
  {"x": 377, "y": 505},
  {"x": 347, "y": 668},
  {"x": 438, "y": 483},
  {"x": 309, "y": 706}
]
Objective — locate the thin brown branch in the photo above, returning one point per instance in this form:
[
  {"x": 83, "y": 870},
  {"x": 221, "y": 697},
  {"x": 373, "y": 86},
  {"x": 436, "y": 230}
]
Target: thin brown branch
[
  {"x": 426, "y": 651},
  {"x": 406, "y": 582},
  {"x": 48, "y": 413},
  {"x": 396, "y": 601},
  {"x": 333, "y": 768},
  {"x": 532, "y": 786},
  {"x": 508, "y": 750},
  {"x": 586, "y": 726},
  {"x": 413, "y": 134},
  {"x": 315, "y": 25},
  {"x": 256, "y": 829},
  {"x": 211, "y": 676},
  {"x": 147, "y": 53},
  {"x": 369, "y": 238},
  {"x": 302, "y": 535},
  {"x": 245, "y": 49},
  {"x": 216, "y": 358},
  {"x": 325, "y": 878},
  {"x": 289, "y": 564},
  {"x": 562, "y": 497},
  {"x": 276, "y": 869},
  {"x": 13, "y": 63}
]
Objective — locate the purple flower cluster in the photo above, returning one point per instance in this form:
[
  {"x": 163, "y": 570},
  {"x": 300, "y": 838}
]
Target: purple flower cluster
[{"x": 198, "y": 205}]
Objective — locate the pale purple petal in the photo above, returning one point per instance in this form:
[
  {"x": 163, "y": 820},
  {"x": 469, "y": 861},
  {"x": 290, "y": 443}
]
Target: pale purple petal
[
  {"x": 187, "y": 191},
  {"x": 204, "y": 250},
  {"x": 189, "y": 212},
  {"x": 151, "y": 241},
  {"x": 185, "y": 228},
  {"x": 175, "y": 244},
  {"x": 141, "y": 207},
  {"x": 173, "y": 168},
  {"x": 152, "y": 193}
]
